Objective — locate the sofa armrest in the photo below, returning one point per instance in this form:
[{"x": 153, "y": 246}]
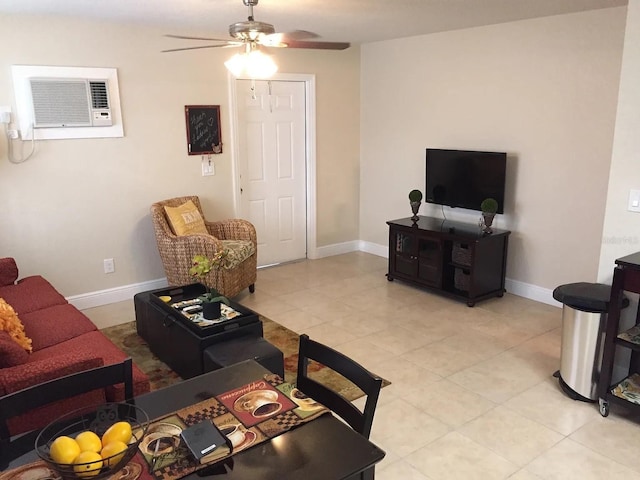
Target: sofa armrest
[
  {"x": 8, "y": 271},
  {"x": 233, "y": 229},
  {"x": 22, "y": 376}
]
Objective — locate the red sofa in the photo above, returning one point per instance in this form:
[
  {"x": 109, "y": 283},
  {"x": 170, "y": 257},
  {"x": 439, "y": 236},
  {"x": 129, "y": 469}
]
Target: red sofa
[{"x": 64, "y": 341}]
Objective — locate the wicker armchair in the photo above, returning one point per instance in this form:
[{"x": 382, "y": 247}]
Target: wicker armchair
[{"x": 177, "y": 252}]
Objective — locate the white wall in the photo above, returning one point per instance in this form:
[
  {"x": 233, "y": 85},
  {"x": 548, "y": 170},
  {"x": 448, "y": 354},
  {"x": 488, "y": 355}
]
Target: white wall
[
  {"x": 543, "y": 90},
  {"x": 621, "y": 235},
  {"x": 77, "y": 202}
]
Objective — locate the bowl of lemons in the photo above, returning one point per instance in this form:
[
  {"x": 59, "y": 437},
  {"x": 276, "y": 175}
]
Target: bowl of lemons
[{"x": 95, "y": 445}]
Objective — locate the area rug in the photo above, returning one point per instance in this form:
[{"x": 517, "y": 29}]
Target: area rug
[{"x": 160, "y": 375}]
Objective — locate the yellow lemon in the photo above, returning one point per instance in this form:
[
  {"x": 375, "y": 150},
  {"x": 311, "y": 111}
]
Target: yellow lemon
[
  {"x": 89, "y": 441},
  {"x": 87, "y": 464},
  {"x": 118, "y": 431},
  {"x": 116, "y": 448},
  {"x": 64, "y": 450}
]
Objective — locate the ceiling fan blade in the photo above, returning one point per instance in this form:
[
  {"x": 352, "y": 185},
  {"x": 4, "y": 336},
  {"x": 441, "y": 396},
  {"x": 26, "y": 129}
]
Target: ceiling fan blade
[
  {"x": 183, "y": 37},
  {"x": 282, "y": 39},
  {"x": 296, "y": 35},
  {"x": 318, "y": 45},
  {"x": 196, "y": 48}
]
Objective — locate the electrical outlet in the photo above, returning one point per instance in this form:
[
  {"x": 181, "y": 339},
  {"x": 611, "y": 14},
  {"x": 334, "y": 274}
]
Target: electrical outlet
[
  {"x": 207, "y": 167},
  {"x": 5, "y": 115},
  {"x": 634, "y": 201},
  {"x": 109, "y": 266}
]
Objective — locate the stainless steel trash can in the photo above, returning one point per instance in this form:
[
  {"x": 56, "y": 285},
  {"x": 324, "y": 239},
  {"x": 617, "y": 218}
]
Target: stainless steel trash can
[{"x": 584, "y": 317}]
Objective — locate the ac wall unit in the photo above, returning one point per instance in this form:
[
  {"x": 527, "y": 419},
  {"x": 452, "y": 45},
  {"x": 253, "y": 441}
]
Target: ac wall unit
[{"x": 70, "y": 102}]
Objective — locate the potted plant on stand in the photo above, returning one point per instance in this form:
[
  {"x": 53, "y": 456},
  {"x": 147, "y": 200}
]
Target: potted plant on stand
[
  {"x": 415, "y": 197},
  {"x": 212, "y": 298},
  {"x": 489, "y": 207}
]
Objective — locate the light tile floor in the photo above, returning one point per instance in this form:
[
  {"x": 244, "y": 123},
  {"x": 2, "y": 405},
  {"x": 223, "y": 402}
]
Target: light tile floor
[{"x": 472, "y": 394}]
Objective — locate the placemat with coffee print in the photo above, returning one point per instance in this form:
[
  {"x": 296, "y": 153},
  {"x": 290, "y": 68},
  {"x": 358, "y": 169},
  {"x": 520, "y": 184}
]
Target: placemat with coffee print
[
  {"x": 248, "y": 415},
  {"x": 39, "y": 470}
]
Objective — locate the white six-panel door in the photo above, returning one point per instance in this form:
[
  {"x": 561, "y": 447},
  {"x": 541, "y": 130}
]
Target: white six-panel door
[{"x": 271, "y": 160}]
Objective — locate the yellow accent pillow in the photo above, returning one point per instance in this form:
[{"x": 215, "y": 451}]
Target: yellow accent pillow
[
  {"x": 185, "y": 219},
  {"x": 10, "y": 323}
]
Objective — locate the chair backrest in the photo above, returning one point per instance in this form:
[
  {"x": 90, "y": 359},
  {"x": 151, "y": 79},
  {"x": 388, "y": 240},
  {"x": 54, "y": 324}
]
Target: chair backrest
[
  {"x": 25, "y": 400},
  {"x": 370, "y": 384},
  {"x": 177, "y": 252}
]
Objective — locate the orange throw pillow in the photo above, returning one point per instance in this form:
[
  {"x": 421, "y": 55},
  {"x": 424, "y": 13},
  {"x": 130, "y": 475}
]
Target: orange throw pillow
[{"x": 10, "y": 323}]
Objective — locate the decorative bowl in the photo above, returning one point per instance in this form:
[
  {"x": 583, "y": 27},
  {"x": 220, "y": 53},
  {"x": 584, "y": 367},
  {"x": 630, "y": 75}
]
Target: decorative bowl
[{"x": 98, "y": 421}]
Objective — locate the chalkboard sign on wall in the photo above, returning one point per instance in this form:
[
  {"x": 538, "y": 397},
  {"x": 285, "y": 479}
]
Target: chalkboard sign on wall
[{"x": 203, "y": 129}]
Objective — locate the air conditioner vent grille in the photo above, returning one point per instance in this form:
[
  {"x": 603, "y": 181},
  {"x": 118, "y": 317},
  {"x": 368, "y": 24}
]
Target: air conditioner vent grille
[
  {"x": 70, "y": 102},
  {"x": 99, "y": 95},
  {"x": 60, "y": 102}
]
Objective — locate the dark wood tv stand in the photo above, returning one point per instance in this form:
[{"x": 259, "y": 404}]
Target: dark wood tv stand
[{"x": 453, "y": 258}]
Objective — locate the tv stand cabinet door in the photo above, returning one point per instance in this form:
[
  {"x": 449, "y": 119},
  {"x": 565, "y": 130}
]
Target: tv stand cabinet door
[
  {"x": 415, "y": 256},
  {"x": 430, "y": 261},
  {"x": 403, "y": 254},
  {"x": 489, "y": 266}
]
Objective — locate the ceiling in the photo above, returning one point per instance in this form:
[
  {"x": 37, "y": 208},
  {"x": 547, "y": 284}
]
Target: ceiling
[{"x": 355, "y": 21}]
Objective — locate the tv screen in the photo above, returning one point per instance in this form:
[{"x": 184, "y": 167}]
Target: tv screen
[{"x": 463, "y": 178}]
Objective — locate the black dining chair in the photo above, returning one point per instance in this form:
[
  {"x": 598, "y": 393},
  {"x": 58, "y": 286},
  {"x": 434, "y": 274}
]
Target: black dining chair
[
  {"x": 360, "y": 421},
  {"x": 23, "y": 401}
]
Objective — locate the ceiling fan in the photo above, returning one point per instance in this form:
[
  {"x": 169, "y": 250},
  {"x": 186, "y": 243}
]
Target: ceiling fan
[{"x": 253, "y": 33}]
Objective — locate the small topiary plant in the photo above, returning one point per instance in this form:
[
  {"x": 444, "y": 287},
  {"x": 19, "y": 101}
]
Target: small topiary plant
[
  {"x": 489, "y": 205},
  {"x": 415, "y": 196}
]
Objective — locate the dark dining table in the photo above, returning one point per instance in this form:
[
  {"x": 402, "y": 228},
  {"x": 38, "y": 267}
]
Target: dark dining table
[{"x": 323, "y": 449}]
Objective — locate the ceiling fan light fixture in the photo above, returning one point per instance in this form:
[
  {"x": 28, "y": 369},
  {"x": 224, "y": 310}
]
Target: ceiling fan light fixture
[{"x": 251, "y": 63}]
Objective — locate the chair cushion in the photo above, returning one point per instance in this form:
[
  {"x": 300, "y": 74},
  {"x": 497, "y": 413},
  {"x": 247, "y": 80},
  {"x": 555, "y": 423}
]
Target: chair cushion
[
  {"x": 11, "y": 354},
  {"x": 10, "y": 323},
  {"x": 8, "y": 271},
  {"x": 237, "y": 251},
  {"x": 186, "y": 219}
]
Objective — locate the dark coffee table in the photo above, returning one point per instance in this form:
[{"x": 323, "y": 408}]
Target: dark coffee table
[{"x": 177, "y": 341}]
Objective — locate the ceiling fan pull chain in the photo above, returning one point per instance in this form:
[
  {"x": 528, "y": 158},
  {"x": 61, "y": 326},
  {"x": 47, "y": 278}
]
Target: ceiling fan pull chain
[
  {"x": 253, "y": 89},
  {"x": 270, "y": 97}
]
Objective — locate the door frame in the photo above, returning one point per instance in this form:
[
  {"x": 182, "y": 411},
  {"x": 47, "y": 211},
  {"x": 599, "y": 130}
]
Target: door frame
[{"x": 310, "y": 148}]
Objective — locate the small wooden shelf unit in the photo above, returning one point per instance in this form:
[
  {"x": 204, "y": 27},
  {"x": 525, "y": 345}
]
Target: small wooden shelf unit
[
  {"x": 626, "y": 277},
  {"x": 453, "y": 258}
]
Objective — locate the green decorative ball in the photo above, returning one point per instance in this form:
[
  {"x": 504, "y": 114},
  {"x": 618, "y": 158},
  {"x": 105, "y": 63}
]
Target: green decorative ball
[
  {"x": 489, "y": 205},
  {"x": 415, "y": 196}
]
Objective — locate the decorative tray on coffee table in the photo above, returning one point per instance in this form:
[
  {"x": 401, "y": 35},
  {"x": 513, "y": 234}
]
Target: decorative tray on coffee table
[{"x": 184, "y": 303}]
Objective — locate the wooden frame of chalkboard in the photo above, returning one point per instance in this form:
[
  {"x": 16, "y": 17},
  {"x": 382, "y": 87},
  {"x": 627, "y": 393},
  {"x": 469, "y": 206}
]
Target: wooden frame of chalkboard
[{"x": 203, "y": 129}]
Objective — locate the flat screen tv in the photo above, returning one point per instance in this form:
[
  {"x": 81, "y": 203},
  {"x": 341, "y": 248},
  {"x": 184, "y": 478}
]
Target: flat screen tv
[{"x": 463, "y": 178}]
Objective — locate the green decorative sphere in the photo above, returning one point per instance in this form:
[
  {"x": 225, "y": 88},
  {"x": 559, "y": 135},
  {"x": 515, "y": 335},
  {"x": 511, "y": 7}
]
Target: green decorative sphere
[
  {"x": 489, "y": 205},
  {"x": 415, "y": 196}
]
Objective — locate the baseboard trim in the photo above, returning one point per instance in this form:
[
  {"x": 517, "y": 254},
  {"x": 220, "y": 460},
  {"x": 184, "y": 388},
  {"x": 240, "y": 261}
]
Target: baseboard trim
[
  {"x": 532, "y": 292},
  {"x": 335, "y": 249},
  {"x": 374, "y": 249},
  {"x": 113, "y": 295}
]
